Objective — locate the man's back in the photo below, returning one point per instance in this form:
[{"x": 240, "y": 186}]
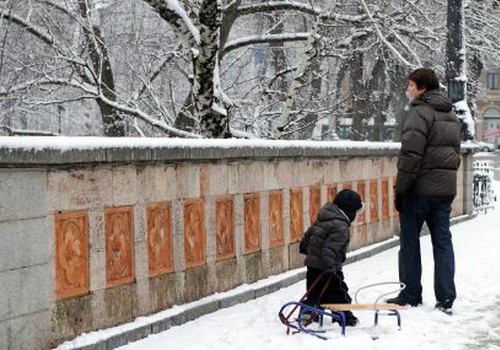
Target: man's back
[{"x": 430, "y": 148}]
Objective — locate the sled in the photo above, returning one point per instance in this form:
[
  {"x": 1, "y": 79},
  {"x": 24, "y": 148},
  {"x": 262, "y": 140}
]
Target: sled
[{"x": 308, "y": 314}]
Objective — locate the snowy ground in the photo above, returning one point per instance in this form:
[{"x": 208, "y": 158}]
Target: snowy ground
[{"x": 475, "y": 323}]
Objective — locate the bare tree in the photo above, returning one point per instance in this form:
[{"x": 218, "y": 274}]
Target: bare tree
[
  {"x": 80, "y": 62},
  {"x": 200, "y": 68}
]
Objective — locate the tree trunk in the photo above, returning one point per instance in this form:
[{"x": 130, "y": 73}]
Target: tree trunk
[
  {"x": 455, "y": 51},
  {"x": 378, "y": 102},
  {"x": 358, "y": 111},
  {"x": 399, "y": 101},
  {"x": 278, "y": 61},
  {"x": 113, "y": 123},
  {"x": 474, "y": 69},
  {"x": 309, "y": 122},
  {"x": 300, "y": 76},
  {"x": 214, "y": 122}
]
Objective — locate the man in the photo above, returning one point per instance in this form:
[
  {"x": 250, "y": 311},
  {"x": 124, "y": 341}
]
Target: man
[{"x": 425, "y": 188}]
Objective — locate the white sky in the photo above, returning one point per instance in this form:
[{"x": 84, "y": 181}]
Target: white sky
[{"x": 475, "y": 323}]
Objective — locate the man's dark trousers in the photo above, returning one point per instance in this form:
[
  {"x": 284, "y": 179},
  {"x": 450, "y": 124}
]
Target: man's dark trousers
[{"x": 435, "y": 211}]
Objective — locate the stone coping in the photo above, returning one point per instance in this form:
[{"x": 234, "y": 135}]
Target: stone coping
[{"x": 47, "y": 151}]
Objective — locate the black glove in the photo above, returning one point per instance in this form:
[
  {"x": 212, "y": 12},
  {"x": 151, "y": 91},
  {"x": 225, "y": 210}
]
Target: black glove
[
  {"x": 400, "y": 202},
  {"x": 333, "y": 270},
  {"x": 303, "y": 246}
]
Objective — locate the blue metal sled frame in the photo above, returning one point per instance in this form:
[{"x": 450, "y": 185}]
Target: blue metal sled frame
[{"x": 301, "y": 326}]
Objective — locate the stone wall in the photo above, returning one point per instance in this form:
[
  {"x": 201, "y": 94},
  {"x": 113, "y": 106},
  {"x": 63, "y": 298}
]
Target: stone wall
[{"x": 95, "y": 234}]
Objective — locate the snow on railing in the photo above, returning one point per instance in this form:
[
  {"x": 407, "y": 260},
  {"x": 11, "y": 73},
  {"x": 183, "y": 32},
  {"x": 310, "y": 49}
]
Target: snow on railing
[{"x": 482, "y": 192}]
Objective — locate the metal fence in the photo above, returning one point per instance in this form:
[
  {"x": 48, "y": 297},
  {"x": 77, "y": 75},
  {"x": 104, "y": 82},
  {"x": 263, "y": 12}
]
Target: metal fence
[{"x": 483, "y": 195}]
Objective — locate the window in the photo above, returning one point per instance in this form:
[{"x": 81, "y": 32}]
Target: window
[
  {"x": 493, "y": 81},
  {"x": 491, "y": 128},
  {"x": 492, "y": 113}
]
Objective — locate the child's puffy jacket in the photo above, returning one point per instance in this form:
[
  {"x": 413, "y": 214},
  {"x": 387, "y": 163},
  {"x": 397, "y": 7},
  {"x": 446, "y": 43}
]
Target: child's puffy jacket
[{"x": 325, "y": 242}]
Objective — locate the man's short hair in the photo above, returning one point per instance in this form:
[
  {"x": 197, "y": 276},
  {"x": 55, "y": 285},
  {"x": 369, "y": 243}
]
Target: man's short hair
[{"x": 424, "y": 78}]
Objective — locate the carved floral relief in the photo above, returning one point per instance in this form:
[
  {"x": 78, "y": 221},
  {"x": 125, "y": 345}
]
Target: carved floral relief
[
  {"x": 296, "y": 215},
  {"x": 276, "y": 227},
  {"x": 72, "y": 254},
  {"x": 252, "y": 222},
  {"x": 159, "y": 230},
  {"x": 385, "y": 198},
  {"x": 194, "y": 232},
  {"x": 373, "y": 200},
  {"x": 119, "y": 246},
  {"x": 314, "y": 202},
  {"x": 224, "y": 227}
]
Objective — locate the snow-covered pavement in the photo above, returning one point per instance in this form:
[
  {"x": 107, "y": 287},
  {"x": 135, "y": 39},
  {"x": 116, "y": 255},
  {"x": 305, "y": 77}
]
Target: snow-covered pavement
[{"x": 475, "y": 323}]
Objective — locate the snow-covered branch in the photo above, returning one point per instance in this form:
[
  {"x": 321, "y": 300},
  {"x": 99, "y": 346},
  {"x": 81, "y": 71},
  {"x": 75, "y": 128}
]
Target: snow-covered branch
[
  {"x": 30, "y": 27},
  {"x": 148, "y": 119},
  {"x": 261, "y": 39},
  {"x": 272, "y": 6},
  {"x": 174, "y": 14},
  {"x": 382, "y": 38}
]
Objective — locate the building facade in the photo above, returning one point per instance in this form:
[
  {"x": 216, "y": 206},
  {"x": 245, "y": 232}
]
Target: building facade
[{"x": 488, "y": 105}]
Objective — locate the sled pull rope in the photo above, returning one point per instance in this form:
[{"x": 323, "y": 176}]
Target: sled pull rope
[{"x": 285, "y": 318}]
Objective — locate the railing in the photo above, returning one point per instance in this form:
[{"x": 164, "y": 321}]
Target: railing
[{"x": 484, "y": 197}]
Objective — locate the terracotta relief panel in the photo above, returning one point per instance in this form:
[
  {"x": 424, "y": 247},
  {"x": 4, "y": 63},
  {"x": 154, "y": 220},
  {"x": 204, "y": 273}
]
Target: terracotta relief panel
[
  {"x": 314, "y": 202},
  {"x": 119, "y": 246},
  {"x": 194, "y": 232},
  {"x": 394, "y": 211},
  {"x": 72, "y": 254},
  {"x": 385, "y": 198},
  {"x": 276, "y": 227},
  {"x": 296, "y": 215},
  {"x": 361, "y": 189},
  {"x": 252, "y": 222},
  {"x": 373, "y": 200},
  {"x": 224, "y": 227},
  {"x": 331, "y": 191},
  {"x": 159, "y": 226}
]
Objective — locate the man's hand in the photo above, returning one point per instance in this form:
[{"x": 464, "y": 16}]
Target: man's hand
[
  {"x": 399, "y": 202},
  {"x": 332, "y": 270}
]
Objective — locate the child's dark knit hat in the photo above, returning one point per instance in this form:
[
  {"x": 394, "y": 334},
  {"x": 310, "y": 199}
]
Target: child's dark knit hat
[{"x": 349, "y": 201}]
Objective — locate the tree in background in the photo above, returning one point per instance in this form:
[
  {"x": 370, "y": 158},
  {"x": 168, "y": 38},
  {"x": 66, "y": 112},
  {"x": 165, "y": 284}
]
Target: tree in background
[{"x": 194, "y": 68}]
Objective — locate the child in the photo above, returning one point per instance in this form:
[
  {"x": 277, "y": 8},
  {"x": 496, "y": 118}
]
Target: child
[{"x": 325, "y": 246}]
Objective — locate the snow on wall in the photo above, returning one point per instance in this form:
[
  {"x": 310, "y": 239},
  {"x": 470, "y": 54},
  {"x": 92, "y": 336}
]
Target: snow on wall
[{"x": 94, "y": 143}]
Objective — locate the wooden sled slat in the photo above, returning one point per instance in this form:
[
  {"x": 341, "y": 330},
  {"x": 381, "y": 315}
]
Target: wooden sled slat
[{"x": 350, "y": 307}]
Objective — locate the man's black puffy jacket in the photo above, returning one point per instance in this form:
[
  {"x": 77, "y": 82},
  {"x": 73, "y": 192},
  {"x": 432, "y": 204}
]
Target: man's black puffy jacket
[{"x": 430, "y": 148}]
